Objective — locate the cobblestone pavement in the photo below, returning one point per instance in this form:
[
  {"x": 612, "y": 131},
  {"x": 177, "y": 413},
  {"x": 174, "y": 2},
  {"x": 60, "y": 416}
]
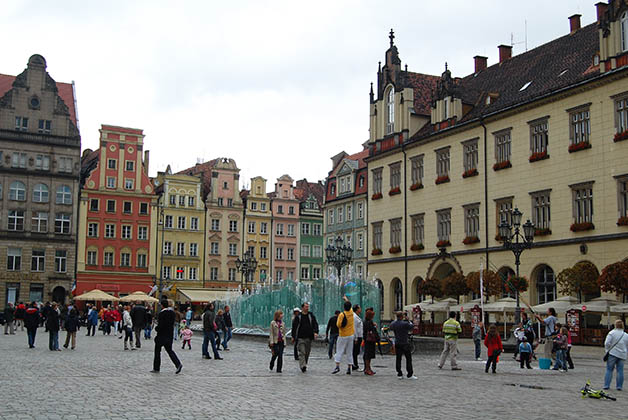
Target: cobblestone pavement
[{"x": 99, "y": 380}]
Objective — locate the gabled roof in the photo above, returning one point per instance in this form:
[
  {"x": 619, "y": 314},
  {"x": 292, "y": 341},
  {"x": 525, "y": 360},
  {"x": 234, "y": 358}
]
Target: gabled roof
[
  {"x": 356, "y": 161},
  {"x": 304, "y": 189},
  {"x": 204, "y": 171},
  {"x": 422, "y": 85}
]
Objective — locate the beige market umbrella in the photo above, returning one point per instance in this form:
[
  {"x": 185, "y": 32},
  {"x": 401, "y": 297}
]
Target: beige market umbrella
[
  {"x": 423, "y": 305},
  {"x": 599, "y": 305},
  {"x": 441, "y": 305},
  {"x": 139, "y": 296},
  {"x": 620, "y": 309},
  {"x": 560, "y": 305},
  {"x": 504, "y": 305},
  {"x": 96, "y": 295}
]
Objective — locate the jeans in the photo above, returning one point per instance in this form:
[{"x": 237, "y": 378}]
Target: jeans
[
  {"x": 53, "y": 340},
  {"x": 332, "y": 342},
  {"x": 560, "y": 360},
  {"x": 31, "y": 336},
  {"x": 403, "y": 350},
  {"x": 491, "y": 362},
  {"x": 91, "y": 327},
  {"x": 128, "y": 336},
  {"x": 167, "y": 345},
  {"x": 209, "y": 336},
  {"x": 478, "y": 348},
  {"x": 219, "y": 335},
  {"x": 277, "y": 355},
  {"x": 614, "y": 362},
  {"x": 227, "y": 338},
  {"x": 147, "y": 331},
  {"x": 176, "y": 330}
]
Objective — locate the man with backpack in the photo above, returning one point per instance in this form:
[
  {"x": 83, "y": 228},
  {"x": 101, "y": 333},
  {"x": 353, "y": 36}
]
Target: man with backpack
[{"x": 304, "y": 330}]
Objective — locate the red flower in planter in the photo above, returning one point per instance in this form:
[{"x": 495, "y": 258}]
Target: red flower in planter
[
  {"x": 394, "y": 191},
  {"x": 443, "y": 244},
  {"x": 621, "y": 136},
  {"x": 499, "y": 238},
  {"x": 580, "y": 227},
  {"x": 576, "y": 147},
  {"x": 502, "y": 165},
  {"x": 416, "y": 186},
  {"x": 471, "y": 240},
  {"x": 395, "y": 250},
  {"x": 442, "y": 179},
  {"x": 376, "y": 251},
  {"x": 376, "y": 196},
  {"x": 471, "y": 172},
  {"x": 538, "y": 156},
  {"x": 622, "y": 221},
  {"x": 417, "y": 247},
  {"x": 542, "y": 232}
]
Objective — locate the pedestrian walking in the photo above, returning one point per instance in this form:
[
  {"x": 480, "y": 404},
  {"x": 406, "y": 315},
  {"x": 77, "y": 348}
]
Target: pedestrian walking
[
  {"x": 295, "y": 341},
  {"x": 186, "y": 337},
  {"x": 31, "y": 319},
  {"x": 277, "y": 340},
  {"x": 402, "y": 327},
  {"x": 52, "y": 325},
  {"x": 550, "y": 331},
  {"x": 616, "y": 346},
  {"x": 304, "y": 330},
  {"x": 525, "y": 353},
  {"x": 9, "y": 317},
  {"x": 451, "y": 329},
  {"x": 92, "y": 321},
  {"x": 346, "y": 333},
  {"x": 188, "y": 316},
  {"x": 560, "y": 348},
  {"x": 228, "y": 327},
  {"x": 117, "y": 321},
  {"x": 20, "y": 315},
  {"x": 165, "y": 329},
  {"x": 331, "y": 334},
  {"x": 71, "y": 327},
  {"x": 209, "y": 332},
  {"x": 371, "y": 337},
  {"x": 358, "y": 326},
  {"x": 220, "y": 328},
  {"x": 127, "y": 326},
  {"x": 109, "y": 317},
  {"x": 178, "y": 316},
  {"x": 493, "y": 343},
  {"x": 148, "y": 324},
  {"x": 138, "y": 316},
  {"x": 477, "y": 339}
]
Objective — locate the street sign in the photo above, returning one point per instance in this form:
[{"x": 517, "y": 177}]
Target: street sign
[{"x": 584, "y": 308}]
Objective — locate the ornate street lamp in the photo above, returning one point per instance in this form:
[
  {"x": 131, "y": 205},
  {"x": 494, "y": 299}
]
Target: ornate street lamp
[
  {"x": 247, "y": 266},
  {"x": 517, "y": 243},
  {"x": 339, "y": 255}
]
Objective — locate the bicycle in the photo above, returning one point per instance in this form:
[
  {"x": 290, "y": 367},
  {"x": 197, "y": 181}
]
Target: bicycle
[{"x": 587, "y": 391}]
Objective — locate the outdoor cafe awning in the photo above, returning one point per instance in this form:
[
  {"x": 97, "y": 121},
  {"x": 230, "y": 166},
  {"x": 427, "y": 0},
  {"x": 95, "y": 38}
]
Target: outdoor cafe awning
[{"x": 202, "y": 295}]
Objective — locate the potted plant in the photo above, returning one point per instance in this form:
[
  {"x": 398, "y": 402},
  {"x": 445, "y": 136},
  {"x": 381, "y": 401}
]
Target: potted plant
[
  {"x": 376, "y": 251},
  {"x": 394, "y": 249},
  {"x": 502, "y": 165},
  {"x": 576, "y": 147},
  {"x": 538, "y": 156},
  {"x": 621, "y": 136},
  {"x": 417, "y": 247},
  {"x": 581, "y": 227},
  {"x": 470, "y": 172},
  {"x": 442, "y": 179},
  {"x": 443, "y": 243},
  {"x": 394, "y": 191},
  {"x": 376, "y": 196},
  {"x": 471, "y": 240},
  {"x": 416, "y": 186}
]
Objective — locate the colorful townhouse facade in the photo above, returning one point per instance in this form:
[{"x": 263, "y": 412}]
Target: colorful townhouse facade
[
  {"x": 181, "y": 230},
  {"x": 451, "y": 157},
  {"x": 285, "y": 213},
  {"x": 117, "y": 215},
  {"x": 311, "y": 249},
  {"x": 40, "y": 148},
  {"x": 344, "y": 210},
  {"x": 259, "y": 227}
]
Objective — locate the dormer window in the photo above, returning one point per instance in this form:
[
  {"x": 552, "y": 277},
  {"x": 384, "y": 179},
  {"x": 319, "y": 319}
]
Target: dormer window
[
  {"x": 624, "y": 31},
  {"x": 390, "y": 111},
  {"x": 446, "y": 113}
]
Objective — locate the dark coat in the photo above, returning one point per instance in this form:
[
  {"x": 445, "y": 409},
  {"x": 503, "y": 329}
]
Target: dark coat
[
  {"x": 31, "y": 318},
  {"x": 72, "y": 323},
  {"x": 138, "y": 316},
  {"x": 9, "y": 314},
  {"x": 165, "y": 326},
  {"x": 220, "y": 323},
  {"x": 209, "y": 317},
  {"x": 52, "y": 321},
  {"x": 296, "y": 322},
  {"x": 227, "y": 317}
]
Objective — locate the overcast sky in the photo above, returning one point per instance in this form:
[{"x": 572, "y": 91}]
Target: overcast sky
[{"x": 278, "y": 86}]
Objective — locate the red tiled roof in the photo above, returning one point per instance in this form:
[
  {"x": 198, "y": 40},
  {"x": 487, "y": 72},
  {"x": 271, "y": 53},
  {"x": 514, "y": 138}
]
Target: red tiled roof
[
  {"x": 206, "y": 169},
  {"x": 422, "y": 85},
  {"x": 304, "y": 188},
  {"x": 66, "y": 92}
]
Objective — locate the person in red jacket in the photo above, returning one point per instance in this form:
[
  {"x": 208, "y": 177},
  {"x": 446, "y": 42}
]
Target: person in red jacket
[
  {"x": 117, "y": 318},
  {"x": 108, "y": 316},
  {"x": 494, "y": 345}
]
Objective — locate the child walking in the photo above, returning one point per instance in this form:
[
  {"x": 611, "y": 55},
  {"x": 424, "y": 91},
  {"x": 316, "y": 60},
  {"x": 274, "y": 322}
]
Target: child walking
[
  {"x": 525, "y": 353},
  {"x": 186, "y": 336},
  {"x": 494, "y": 345}
]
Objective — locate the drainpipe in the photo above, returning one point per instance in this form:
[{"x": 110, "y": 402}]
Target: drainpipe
[
  {"x": 405, "y": 228},
  {"x": 270, "y": 252},
  {"x": 205, "y": 232},
  {"x": 486, "y": 252}
]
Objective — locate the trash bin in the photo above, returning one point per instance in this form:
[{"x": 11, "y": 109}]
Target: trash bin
[{"x": 545, "y": 363}]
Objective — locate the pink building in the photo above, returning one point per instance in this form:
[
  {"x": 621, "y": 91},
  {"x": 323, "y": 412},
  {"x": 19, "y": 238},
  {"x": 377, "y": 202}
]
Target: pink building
[{"x": 285, "y": 209}]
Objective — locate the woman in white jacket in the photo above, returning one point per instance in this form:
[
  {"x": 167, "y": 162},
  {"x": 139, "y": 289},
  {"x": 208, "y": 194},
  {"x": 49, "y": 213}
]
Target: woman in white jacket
[
  {"x": 616, "y": 345},
  {"x": 127, "y": 326}
]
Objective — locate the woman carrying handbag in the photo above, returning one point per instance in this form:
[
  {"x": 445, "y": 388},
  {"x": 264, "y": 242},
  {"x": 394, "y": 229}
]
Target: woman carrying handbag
[
  {"x": 277, "y": 340},
  {"x": 616, "y": 345},
  {"x": 370, "y": 339}
]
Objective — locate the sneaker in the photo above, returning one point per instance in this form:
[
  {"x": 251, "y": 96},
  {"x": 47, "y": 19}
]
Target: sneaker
[
  {"x": 399, "y": 376},
  {"x": 439, "y": 366},
  {"x": 355, "y": 367},
  {"x": 413, "y": 378},
  {"x": 303, "y": 369},
  {"x": 179, "y": 369},
  {"x": 348, "y": 371},
  {"x": 478, "y": 359},
  {"x": 456, "y": 368},
  {"x": 336, "y": 370},
  {"x": 206, "y": 357},
  {"x": 530, "y": 367}
]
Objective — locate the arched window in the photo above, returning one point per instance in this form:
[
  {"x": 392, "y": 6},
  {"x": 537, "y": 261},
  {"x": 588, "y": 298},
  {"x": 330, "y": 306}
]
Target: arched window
[
  {"x": 40, "y": 193},
  {"x": 546, "y": 284},
  {"x": 17, "y": 191},
  {"x": 624, "y": 31},
  {"x": 380, "y": 286},
  {"x": 390, "y": 111},
  {"x": 398, "y": 295},
  {"x": 64, "y": 195},
  {"x": 417, "y": 290}
]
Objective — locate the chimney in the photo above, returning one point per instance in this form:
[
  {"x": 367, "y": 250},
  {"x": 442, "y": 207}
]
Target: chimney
[
  {"x": 505, "y": 52},
  {"x": 574, "y": 23},
  {"x": 601, "y": 10},
  {"x": 480, "y": 63},
  {"x": 146, "y": 153}
]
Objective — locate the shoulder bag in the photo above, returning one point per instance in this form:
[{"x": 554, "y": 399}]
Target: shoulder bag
[{"x": 605, "y": 358}]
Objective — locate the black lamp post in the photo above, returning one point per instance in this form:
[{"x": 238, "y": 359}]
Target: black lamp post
[
  {"x": 247, "y": 266},
  {"x": 517, "y": 243},
  {"x": 339, "y": 255}
]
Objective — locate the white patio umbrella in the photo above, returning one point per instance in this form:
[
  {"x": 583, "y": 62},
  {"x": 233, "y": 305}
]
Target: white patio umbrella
[
  {"x": 599, "y": 305},
  {"x": 504, "y": 305},
  {"x": 441, "y": 305},
  {"x": 620, "y": 309},
  {"x": 560, "y": 305},
  {"x": 423, "y": 305}
]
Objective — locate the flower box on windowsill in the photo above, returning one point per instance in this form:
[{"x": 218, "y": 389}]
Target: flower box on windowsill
[
  {"x": 576, "y": 147},
  {"x": 376, "y": 196},
  {"x": 621, "y": 136},
  {"x": 622, "y": 221},
  {"x": 471, "y": 172},
  {"x": 443, "y": 244},
  {"x": 376, "y": 251},
  {"x": 416, "y": 186},
  {"x": 542, "y": 232},
  {"x": 581, "y": 227},
  {"x": 395, "y": 250},
  {"x": 394, "y": 191},
  {"x": 471, "y": 240},
  {"x": 417, "y": 247},
  {"x": 499, "y": 238},
  {"x": 442, "y": 179},
  {"x": 502, "y": 165},
  {"x": 538, "y": 156}
]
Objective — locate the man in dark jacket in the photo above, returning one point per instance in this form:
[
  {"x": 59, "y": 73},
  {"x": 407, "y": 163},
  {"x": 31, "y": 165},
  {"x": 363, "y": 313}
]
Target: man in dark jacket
[
  {"x": 331, "y": 333},
  {"x": 402, "y": 327},
  {"x": 71, "y": 327},
  {"x": 52, "y": 325},
  {"x": 9, "y": 315},
  {"x": 165, "y": 328},
  {"x": 209, "y": 332},
  {"x": 138, "y": 316},
  {"x": 31, "y": 319},
  {"x": 304, "y": 329},
  {"x": 228, "y": 327}
]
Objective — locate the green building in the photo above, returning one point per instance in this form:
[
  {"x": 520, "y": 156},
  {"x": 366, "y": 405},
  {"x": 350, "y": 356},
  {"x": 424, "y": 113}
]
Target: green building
[{"x": 311, "y": 250}]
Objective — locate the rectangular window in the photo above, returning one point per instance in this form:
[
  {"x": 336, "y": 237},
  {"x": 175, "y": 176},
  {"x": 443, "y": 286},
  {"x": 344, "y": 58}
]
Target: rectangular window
[
  {"x": 129, "y": 165},
  {"x": 232, "y": 274},
  {"x": 111, "y": 164},
  {"x": 215, "y": 224},
  {"x": 263, "y": 228},
  {"x": 305, "y": 228},
  {"x": 61, "y": 261},
  {"x": 125, "y": 259},
  {"x": 377, "y": 180},
  {"x": 182, "y": 200},
  {"x": 111, "y": 206},
  {"x": 280, "y": 209},
  {"x": 263, "y": 252},
  {"x": 193, "y": 273},
  {"x": 21, "y": 123},
  {"x": 92, "y": 257},
  {"x": 111, "y": 182},
  {"x": 127, "y": 207},
  {"x": 128, "y": 184},
  {"x": 143, "y": 209},
  {"x": 360, "y": 240},
  {"x": 92, "y": 230},
  {"x": 305, "y": 273},
  {"x": 541, "y": 210},
  {"x": 38, "y": 260},
  {"x": 504, "y": 211},
  {"x": 262, "y": 206},
  {"x": 44, "y": 126},
  {"x": 19, "y": 160},
  {"x": 579, "y": 126},
  {"x": 173, "y": 200},
  {"x": 108, "y": 258},
  {"x": 622, "y": 196},
  {"x": 317, "y": 229},
  {"x": 166, "y": 272},
  {"x": 194, "y": 223},
  {"x": 395, "y": 233},
  {"x": 142, "y": 260},
  {"x": 621, "y": 114},
  {"x": 582, "y": 203},
  {"x": 39, "y": 222},
  {"x": 349, "y": 212},
  {"x": 220, "y": 202},
  {"x": 539, "y": 139},
  {"x": 502, "y": 146},
  {"x": 213, "y": 273},
  {"x": 233, "y": 225},
  {"x": 167, "y": 248},
  {"x": 253, "y": 205},
  {"x": 94, "y": 204},
  {"x": 213, "y": 249},
  {"x": 142, "y": 233},
  {"x": 443, "y": 222},
  {"x": 470, "y": 156},
  {"x": 14, "y": 259},
  {"x": 251, "y": 227},
  {"x": 16, "y": 220},
  {"x": 279, "y": 253},
  {"x": 110, "y": 231},
  {"x": 233, "y": 250},
  {"x": 126, "y": 232},
  {"x": 395, "y": 175},
  {"x": 180, "y": 248},
  {"x": 42, "y": 162},
  {"x": 278, "y": 275},
  {"x": 442, "y": 163},
  {"x": 65, "y": 165},
  {"x": 341, "y": 214},
  {"x": 305, "y": 250},
  {"x": 330, "y": 216},
  {"x": 377, "y": 236},
  {"x": 290, "y": 229},
  {"x": 418, "y": 229},
  {"x": 180, "y": 274},
  {"x": 62, "y": 223},
  {"x": 290, "y": 254},
  {"x": 279, "y": 230},
  {"x": 181, "y": 222},
  {"x": 291, "y": 210},
  {"x": 317, "y": 251},
  {"x": 193, "y": 250},
  {"x": 472, "y": 221}
]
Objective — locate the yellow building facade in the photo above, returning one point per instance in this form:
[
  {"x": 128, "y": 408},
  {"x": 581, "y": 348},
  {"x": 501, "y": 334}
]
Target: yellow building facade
[
  {"x": 450, "y": 158},
  {"x": 258, "y": 229}
]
